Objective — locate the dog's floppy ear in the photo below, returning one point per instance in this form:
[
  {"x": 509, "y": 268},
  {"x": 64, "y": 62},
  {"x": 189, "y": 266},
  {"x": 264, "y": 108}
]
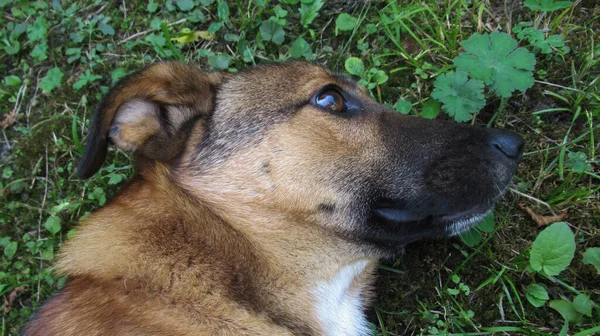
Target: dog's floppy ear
[{"x": 146, "y": 112}]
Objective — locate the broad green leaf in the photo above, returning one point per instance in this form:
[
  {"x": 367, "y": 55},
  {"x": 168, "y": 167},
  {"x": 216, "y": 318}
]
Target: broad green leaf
[
  {"x": 117, "y": 74},
  {"x": 223, "y": 11},
  {"x": 115, "y": 178},
  {"x": 345, "y": 22},
  {"x": 471, "y": 237},
  {"x": 219, "y": 62},
  {"x": 301, "y": 48},
  {"x": 537, "y": 38},
  {"x": 403, "y": 106},
  {"x": 487, "y": 223},
  {"x": 39, "y": 52},
  {"x": 53, "y": 224},
  {"x": 106, "y": 28},
  {"x": 583, "y": 304},
  {"x": 577, "y": 162},
  {"x": 197, "y": 16},
  {"x": 380, "y": 77},
  {"x": 431, "y": 109},
  {"x": 52, "y": 80},
  {"x": 272, "y": 31},
  {"x": 10, "y": 249},
  {"x": 185, "y": 5},
  {"x": 566, "y": 310},
  {"x": 592, "y": 257},
  {"x": 354, "y": 66},
  {"x": 152, "y": 6},
  {"x": 536, "y": 295},
  {"x": 460, "y": 96},
  {"x": 38, "y": 30},
  {"x": 14, "y": 81},
  {"x": 206, "y": 2},
  {"x": 308, "y": 12},
  {"x": 553, "y": 249},
  {"x": 496, "y": 60},
  {"x": 547, "y": 5},
  {"x": 215, "y": 27}
]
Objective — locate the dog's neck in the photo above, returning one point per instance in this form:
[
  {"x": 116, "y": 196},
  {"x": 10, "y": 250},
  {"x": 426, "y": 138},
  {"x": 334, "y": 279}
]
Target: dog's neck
[{"x": 290, "y": 275}]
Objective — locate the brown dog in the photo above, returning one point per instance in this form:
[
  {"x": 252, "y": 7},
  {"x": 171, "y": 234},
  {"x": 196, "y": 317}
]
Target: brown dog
[{"x": 262, "y": 203}]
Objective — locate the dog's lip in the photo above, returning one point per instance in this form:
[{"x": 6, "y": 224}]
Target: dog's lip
[{"x": 398, "y": 215}]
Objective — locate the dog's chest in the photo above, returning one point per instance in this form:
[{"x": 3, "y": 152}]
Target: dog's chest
[{"x": 339, "y": 307}]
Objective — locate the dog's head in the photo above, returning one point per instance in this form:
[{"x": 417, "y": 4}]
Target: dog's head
[{"x": 298, "y": 144}]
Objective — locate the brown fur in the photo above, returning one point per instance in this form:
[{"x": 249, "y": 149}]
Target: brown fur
[{"x": 247, "y": 196}]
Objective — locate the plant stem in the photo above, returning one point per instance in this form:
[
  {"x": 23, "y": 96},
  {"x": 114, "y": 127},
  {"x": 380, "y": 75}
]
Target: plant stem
[{"x": 499, "y": 111}]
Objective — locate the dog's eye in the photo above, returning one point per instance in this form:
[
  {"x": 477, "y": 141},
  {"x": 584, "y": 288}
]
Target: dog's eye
[{"x": 332, "y": 100}]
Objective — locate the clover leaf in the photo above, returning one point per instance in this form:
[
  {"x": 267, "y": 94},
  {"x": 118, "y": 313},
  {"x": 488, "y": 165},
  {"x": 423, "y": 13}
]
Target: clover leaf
[
  {"x": 496, "y": 60},
  {"x": 460, "y": 96}
]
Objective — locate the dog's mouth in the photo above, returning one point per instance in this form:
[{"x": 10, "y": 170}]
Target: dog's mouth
[{"x": 453, "y": 222}]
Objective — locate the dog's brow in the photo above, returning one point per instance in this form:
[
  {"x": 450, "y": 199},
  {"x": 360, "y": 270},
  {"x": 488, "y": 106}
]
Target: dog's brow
[{"x": 346, "y": 80}]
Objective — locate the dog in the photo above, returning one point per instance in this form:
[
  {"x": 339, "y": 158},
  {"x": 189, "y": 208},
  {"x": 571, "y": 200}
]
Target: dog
[{"x": 262, "y": 203}]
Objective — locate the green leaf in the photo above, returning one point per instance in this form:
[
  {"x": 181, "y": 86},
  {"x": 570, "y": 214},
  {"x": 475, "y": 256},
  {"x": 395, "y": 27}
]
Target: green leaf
[
  {"x": 38, "y": 30},
  {"x": 301, "y": 48},
  {"x": 592, "y": 257},
  {"x": 583, "y": 304},
  {"x": 52, "y": 224},
  {"x": 380, "y": 77},
  {"x": 536, "y": 295},
  {"x": 85, "y": 79},
  {"x": 496, "y": 60},
  {"x": 354, "y": 66},
  {"x": 115, "y": 178},
  {"x": 197, "y": 16},
  {"x": 460, "y": 96},
  {"x": 223, "y": 11},
  {"x": 553, "y": 249},
  {"x": 152, "y": 6},
  {"x": 403, "y": 106},
  {"x": 308, "y": 12},
  {"x": 345, "y": 22},
  {"x": 272, "y": 31},
  {"x": 13, "y": 48},
  {"x": 577, "y": 162},
  {"x": 547, "y": 5},
  {"x": 117, "y": 74},
  {"x": 10, "y": 249},
  {"x": 185, "y": 5},
  {"x": 219, "y": 62},
  {"x": 39, "y": 51},
  {"x": 52, "y": 80},
  {"x": 431, "y": 109},
  {"x": 566, "y": 310},
  {"x": 472, "y": 237},
  {"x": 215, "y": 27},
  {"x": 206, "y": 2},
  {"x": 487, "y": 223},
  {"x": 106, "y": 29},
  {"x": 537, "y": 39},
  {"x": 13, "y": 81}
]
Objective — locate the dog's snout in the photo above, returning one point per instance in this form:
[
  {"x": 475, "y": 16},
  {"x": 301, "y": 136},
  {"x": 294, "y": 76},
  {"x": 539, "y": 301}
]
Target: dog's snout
[{"x": 507, "y": 143}]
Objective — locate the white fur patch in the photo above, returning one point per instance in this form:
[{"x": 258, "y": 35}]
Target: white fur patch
[
  {"x": 461, "y": 226},
  {"x": 340, "y": 311}
]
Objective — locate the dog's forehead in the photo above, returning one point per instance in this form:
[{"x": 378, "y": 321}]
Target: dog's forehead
[{"x": 292, "y": 81}]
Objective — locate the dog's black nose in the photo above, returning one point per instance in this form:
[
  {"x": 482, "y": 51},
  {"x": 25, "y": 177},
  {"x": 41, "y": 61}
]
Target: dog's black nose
[{"x": 508, "y": 143}]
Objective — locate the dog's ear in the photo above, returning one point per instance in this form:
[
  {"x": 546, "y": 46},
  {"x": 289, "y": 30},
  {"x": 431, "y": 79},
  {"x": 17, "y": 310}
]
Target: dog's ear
[{"x": 147, "y": 112}]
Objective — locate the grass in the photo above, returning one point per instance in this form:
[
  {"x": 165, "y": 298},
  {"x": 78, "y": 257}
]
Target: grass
[{"x": 58, "y": 58}]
